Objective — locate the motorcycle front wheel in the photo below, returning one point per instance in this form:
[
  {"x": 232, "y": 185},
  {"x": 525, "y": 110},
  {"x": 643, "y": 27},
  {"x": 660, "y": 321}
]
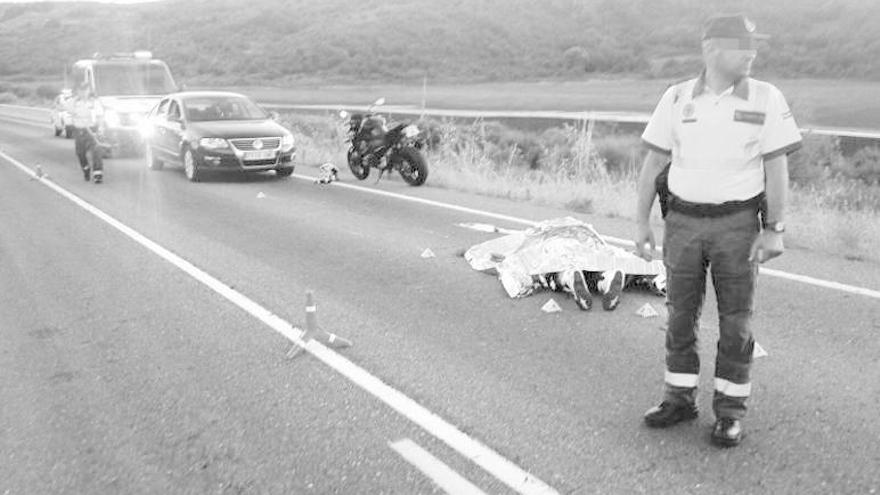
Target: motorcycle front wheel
[
  {"x": 412, "y": 166},
  {"x": 359, "y": 169}
]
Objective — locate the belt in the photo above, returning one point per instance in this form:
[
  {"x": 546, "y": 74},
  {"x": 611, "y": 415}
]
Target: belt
[{"x": 756, "y": 204}]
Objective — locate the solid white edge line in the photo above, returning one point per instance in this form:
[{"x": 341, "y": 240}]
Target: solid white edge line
[
  {"x": 35, "y": 123},
  {"x": 472, "y": 449},
  {"x": 827, "y": 284},
  {"x": 442, "y": 475}
]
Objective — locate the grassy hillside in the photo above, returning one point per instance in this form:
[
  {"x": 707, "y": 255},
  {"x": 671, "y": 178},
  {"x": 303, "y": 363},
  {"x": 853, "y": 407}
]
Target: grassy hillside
[{"x": 276, "y": 41}]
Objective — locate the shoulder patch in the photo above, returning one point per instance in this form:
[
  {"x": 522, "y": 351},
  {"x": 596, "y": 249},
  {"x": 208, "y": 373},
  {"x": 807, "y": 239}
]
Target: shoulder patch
[{"x": 679, "y": 88}]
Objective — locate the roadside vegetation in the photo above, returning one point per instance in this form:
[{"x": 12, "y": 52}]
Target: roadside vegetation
[{"x": 834, "y": 206}]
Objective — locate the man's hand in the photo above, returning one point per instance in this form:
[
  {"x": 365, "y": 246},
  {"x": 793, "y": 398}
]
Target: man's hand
[
  {"x": 767, "y": 246},
  {"x": 644, "y": 235}
]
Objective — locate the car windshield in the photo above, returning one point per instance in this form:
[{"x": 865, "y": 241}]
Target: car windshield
[
  {"x": 202, "y": 109},
  {"x": 133, "y": 79}
]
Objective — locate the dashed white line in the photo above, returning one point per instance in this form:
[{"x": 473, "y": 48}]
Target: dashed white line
[
  {"x": 445, "y": 477},
  {"x": 474, "y": 450},
  {"x": 794, "y": 277}
]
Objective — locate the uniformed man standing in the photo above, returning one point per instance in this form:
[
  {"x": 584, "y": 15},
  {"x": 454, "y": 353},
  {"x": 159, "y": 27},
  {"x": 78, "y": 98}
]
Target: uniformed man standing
[
  {"x": 727, "y": 137},
  {"x": 85, "y": 125}
]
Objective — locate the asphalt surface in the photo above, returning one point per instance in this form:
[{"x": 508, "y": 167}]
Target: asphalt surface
[{"x": 121, "y": 374}]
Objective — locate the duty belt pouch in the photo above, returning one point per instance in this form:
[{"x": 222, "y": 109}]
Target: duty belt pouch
[{"x": 661, "y": 184}]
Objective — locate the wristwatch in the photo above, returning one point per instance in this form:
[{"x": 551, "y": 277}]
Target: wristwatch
[{"x": 777, "y": 227}]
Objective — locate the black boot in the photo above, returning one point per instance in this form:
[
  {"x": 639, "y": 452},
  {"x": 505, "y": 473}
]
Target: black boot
[{"x": 668, "y": 414}]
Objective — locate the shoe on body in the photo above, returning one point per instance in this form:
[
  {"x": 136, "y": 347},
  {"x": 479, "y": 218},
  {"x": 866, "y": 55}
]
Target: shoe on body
[{"x": 611, "y": 286}]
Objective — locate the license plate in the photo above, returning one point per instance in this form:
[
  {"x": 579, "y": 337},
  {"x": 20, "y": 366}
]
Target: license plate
[{"x": 259, "y": 155}]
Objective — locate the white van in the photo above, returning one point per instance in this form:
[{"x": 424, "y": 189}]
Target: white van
[{"x": 126, "y": 86}]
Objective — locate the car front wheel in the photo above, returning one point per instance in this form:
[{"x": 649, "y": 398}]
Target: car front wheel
[
  {"x": 284, "y": 171},
  {"x": 190, "y": 167}
]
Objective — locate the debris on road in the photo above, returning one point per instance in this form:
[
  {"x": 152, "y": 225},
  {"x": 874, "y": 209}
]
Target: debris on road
[
  {"x": 487, "y": 227},
  {"x": 38, "y": 173},
  {"x": 551, "y": 306},
  {"x": 312, "y": 332},
  {"x": 328, "y": 173},
  {"x": 427, "y": 253},
  {"x": 758, "y": 351},
  {"x": 647, "y": 311},
  {"x": 261, "y": 195}
]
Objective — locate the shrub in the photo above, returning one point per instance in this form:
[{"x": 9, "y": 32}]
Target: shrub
[
  {"x": 815, "y": 161},
  {"x": 864, "y": 166},
  {"x": 47, "y": 92}
]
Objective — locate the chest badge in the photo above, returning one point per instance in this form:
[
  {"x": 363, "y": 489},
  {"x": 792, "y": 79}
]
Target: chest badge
[{"x": 689, "y": 112}]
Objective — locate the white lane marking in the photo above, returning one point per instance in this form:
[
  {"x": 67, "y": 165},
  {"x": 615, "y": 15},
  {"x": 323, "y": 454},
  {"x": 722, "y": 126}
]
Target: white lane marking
[
  {"x": 474, "y": 450},
  {"x": 442, "y": 475},
  {"x": 42, "y": 125},
  {"x": 794, "y": 277}
]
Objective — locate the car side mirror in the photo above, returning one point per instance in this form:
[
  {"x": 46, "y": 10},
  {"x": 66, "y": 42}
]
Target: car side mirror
[
  {"x": 274, "y": 115},
  {"x": 181, "y": 87}
]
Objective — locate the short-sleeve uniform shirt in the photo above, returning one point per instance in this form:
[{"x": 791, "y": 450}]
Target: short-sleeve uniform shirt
[
  {"x": 83, "y": 113},
  {"x": 719, "y": 142}
]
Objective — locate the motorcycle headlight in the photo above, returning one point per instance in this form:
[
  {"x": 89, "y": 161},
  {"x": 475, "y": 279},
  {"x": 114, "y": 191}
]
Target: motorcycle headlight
[
  {"x": 213, "y": 143},
  {"x": 287, "y": 142},
  {"x": 111, "y": 118},
  {"x": 411, "y": 131}
]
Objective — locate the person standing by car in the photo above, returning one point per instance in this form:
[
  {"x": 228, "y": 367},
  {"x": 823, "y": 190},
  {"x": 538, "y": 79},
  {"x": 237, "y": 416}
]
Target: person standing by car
[
  {"x": 728, "y": 137},
  {"x": 84, "y": 127}
]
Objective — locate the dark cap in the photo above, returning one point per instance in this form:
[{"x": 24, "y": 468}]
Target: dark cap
[{"x": 731, "y": 26}]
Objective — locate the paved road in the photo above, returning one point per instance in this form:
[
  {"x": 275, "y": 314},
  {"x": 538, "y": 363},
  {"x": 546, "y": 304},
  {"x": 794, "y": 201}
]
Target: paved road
[{"x": 122, "y": 374}]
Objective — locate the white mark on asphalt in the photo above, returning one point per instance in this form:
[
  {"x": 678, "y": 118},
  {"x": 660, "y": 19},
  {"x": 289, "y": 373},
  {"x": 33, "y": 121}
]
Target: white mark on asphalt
[
  {"x": 804, "y": 279},
  {"x": 441, "y": 474},
  {"x": 472, "y": 449}
]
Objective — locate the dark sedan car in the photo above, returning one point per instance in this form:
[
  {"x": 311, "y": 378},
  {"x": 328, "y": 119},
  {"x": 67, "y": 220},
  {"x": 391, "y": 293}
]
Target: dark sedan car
[{"x": 216, "y": 131}]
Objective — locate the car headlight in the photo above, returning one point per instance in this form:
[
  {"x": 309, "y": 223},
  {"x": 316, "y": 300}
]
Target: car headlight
[
  {"x": 111, "y": 118},
  {"x": 411, "y": 131},
  {"x": 213, "y": 143},
  {"x": 146, "y": 129},
  {"x": 287, "y": 142}
]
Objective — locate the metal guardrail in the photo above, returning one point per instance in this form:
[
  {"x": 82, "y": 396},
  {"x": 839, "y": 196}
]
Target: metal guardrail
[{"x": 618, "y": 117}]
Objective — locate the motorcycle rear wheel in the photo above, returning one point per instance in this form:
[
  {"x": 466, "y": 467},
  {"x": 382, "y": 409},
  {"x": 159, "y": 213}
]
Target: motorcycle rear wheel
[
  {"x": 413, "y": 167},
  {"x": 356, "y": 163}
]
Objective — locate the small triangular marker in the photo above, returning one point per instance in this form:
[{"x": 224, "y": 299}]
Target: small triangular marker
[
  {"x": 758, "y": 351},
  {"x": 551, "y": 307},
  {"x": 427, "y": 253},
  {"x": 260, "y": 195},
  {"x": 647, "y": 311}
]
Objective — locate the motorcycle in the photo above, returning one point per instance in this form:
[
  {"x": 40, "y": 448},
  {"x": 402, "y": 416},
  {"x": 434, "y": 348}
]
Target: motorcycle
[{"x": 374, "y": 145}]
